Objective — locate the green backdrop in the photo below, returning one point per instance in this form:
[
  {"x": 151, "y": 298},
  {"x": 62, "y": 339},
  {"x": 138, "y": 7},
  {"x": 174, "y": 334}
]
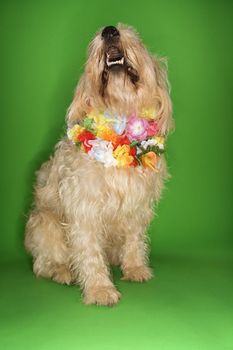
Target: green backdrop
[{"x": 189, "y": 305}]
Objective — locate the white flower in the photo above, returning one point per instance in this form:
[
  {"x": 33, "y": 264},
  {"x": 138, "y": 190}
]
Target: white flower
[
  {"x": 146, "y": 144},
  {"x": 119, "y": 122},
  {"x": 139, "y": 151},
  {"x": 120, "y": 125},
  {"x": 157, "y": 141},
  {"x": 102, "y": 151},
  {"x": 161, "y": 146}
]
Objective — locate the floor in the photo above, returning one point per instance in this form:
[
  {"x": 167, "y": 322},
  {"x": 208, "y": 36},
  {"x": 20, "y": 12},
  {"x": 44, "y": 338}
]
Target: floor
[{"x": 187, "y": 306}]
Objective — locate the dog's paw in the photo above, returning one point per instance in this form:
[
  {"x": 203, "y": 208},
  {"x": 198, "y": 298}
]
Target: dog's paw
[
  {"x": 137, "y": 274},
  {"x": 102, "y": 296},
  {"x": 62, "y": 275}
]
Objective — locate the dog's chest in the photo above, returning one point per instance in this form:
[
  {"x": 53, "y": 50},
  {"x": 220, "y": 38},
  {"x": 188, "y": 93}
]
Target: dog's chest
[{"x": 87, "y": 184}]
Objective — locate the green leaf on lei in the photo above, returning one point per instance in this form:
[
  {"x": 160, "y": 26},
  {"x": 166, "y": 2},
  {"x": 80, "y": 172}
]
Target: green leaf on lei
[
  {"x": 88, "y": 124},
  {"x": 133, "y": 143},
  {"x": 78, "y": 144}
]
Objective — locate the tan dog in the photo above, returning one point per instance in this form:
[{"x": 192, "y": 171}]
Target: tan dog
[{"x": 88, "y": 216}]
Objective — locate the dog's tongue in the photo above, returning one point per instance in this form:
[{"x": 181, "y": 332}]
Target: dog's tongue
[{"x": 114, "y": 54}]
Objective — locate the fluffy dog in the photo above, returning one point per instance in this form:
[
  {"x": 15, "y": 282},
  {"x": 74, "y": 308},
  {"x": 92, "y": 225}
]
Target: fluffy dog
[{"x": 89, "y": 215}]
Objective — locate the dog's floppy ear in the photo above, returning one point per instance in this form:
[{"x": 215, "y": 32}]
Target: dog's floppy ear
[
  {"x": 164, "y": 111},
  {"x": 80, "y": 105}
]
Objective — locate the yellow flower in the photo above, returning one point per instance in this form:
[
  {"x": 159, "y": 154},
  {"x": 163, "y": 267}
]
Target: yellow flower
[
  {"x": 121, "y": 154},
  {"x": 102, "y": 128},
  {"x": 149, "y": 113},
  {"x": 74, "y": 132},
  {"x": 159, "y": 139},
  {"x": 149, "y": 160},
  {"x": 159, "y": 142},
  {"x": 99, "y": 119}
]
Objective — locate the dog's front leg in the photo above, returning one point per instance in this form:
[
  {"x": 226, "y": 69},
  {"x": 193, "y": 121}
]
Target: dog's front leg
[
  {"x": 134, "y": 255},
  {"x": 90, "y": 266}
]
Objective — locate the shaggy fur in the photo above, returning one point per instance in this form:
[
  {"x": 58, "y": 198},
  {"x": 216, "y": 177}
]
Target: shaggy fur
[{"x": 87, "y": 217}]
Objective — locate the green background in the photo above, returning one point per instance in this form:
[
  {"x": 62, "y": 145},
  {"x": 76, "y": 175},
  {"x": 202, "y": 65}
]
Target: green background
[{"x": 189, "y": 304}]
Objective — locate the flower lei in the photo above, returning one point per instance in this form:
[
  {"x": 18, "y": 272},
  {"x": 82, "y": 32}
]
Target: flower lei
[{"x": 119, "y": 141}]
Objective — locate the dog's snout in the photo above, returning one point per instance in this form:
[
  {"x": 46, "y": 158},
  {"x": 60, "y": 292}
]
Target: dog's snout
[{"x": 110, "y": 32}]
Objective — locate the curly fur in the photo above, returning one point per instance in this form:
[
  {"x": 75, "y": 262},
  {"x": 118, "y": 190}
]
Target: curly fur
[{"x": 87, "y": 217}]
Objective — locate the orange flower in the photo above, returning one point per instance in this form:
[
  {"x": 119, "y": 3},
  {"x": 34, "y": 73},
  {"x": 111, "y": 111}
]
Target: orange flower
[
  {"x": 149, "y": 160},
  {"x": 107, "y": 134}
]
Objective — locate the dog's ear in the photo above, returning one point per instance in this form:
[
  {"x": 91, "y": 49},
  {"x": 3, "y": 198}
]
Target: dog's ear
[
  {"x": 164, "y": 111},
  {"x": 80, "y": 106}
]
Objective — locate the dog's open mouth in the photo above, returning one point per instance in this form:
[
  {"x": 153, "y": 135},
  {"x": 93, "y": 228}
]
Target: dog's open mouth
[
  {"x": 114, "y": 57},
  {"x": 116, "y": 62}
]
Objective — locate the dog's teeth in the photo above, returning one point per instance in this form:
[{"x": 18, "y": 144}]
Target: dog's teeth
[{"x": 111, "y": 63}]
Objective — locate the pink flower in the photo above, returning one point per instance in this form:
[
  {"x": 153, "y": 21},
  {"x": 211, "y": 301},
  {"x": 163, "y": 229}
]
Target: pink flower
[
  {"x": 137, "y": 128},
  {"x": 153, "y": 128}
]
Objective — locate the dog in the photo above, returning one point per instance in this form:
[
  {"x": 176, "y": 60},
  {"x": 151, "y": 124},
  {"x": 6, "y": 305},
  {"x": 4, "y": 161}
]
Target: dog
[{"x": 95, "y": 197}]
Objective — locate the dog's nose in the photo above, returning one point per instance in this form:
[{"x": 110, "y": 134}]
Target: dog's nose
[{"x": 110, "y": 32}]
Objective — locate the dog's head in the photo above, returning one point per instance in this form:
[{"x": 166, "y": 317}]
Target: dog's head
[{"x": 122, "y": 76}]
